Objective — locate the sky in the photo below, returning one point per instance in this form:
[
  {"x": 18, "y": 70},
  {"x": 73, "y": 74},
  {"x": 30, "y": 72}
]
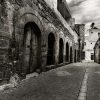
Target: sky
[{"x": 85, "y": 11}]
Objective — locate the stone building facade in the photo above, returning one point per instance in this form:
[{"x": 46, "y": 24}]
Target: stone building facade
[
  {"x": 97, "y": 51},
  {"x": 90, "y": 41},
  {"x": 80, "y": 30},
  {"x": 36, "y": 34}
]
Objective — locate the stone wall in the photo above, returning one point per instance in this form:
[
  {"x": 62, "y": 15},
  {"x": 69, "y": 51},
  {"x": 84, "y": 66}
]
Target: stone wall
[
  {"x": 97, "y": 52},
  {"x": 39, "y": 20}
]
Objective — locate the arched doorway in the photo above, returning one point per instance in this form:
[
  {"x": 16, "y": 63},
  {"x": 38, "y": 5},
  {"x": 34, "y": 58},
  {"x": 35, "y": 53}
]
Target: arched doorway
[
  {"x": 31, "y": 47},
  {"x": 75, "y": 53},
  {"x": 67, "y": 52},
  {"x": 51, "y": 49},
  {"x": 78, "y": 59},
  {"x": 71, "y": 55},
  {"x": 61, "y": 51}
]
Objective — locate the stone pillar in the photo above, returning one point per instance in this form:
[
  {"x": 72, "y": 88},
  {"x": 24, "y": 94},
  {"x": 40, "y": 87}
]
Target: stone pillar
[
  {"x": 57, "y": 50},
  {"x": 6, "y": 28},
  {"x": 64, "y": 54}
]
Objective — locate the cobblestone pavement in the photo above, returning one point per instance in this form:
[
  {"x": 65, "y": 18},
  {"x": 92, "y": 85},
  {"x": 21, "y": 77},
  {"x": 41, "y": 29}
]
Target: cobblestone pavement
[
  {"x": 77, "y": 81},
  {"x": 93, "y": 90}
]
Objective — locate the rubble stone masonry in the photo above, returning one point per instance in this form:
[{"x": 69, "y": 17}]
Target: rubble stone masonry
[{"x": 27, "y": 28}]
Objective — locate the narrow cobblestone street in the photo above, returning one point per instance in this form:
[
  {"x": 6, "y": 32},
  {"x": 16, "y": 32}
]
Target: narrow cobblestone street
[
  {"x": 77, "y": 81},
  {"x": 49, "y": 50}
]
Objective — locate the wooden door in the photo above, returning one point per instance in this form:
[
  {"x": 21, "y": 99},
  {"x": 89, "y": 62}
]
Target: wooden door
[{"x": 31, "y": 49}]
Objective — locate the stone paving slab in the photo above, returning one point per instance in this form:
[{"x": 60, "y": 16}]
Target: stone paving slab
[
  {"x": 93, "y": 92},
  {"x": 63, "y": 83}
]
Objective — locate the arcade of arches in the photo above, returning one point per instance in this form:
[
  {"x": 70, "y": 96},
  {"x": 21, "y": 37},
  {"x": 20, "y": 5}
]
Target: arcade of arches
[
  {"x": 41, "y": 43},
  {"x": 32, "y": 50},
  {"x": 39, "y": 37}
]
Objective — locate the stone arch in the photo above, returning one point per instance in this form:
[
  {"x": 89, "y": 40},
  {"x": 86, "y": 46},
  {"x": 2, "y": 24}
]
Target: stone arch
[
  {"x": 31, "y": 47},
  {"x": 51, "y": 49},
  {"x": 52, "y": 30},
  {"x": 29, "y": 14},
  {"x": 25, "y": 18},
  {"x": 61, "y": 49}
]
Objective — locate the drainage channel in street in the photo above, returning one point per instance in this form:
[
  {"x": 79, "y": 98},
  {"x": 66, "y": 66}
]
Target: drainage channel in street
[{"x": 83, "y": 90}]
